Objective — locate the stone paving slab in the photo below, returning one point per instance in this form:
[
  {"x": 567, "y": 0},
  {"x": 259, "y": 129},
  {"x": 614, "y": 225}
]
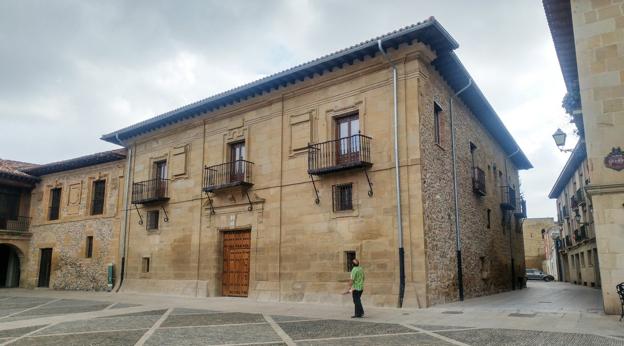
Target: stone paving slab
[
  {"x": 389, "y": 340},
  {"x": 7, "y": 312},
  {"x": 124, "y": 305},
  {"x": 158, "y": 312},
  {"x": 23, "y": 303},
  {"x": 282, "y": 318},
  {"x": 253, "y": 333},
  {"x": 338, "y": 328},
  {"x": 101, "y": 324},
  {"x": 182, "y": 311},
  {"x": 61, "y": 310},
  {"x": 11, "y": 333},
  {"x": 76, "y": 302},
  {"x": 116, "y": 338},
  {"x": 434, "y": 327},
  {"x": 211, "y": 319},
  {"x": 495, "y": 337}
]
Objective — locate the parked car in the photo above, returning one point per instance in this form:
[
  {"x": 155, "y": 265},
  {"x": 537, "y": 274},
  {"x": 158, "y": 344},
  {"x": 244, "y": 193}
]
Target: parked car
[{"x": 534, "y": 274}]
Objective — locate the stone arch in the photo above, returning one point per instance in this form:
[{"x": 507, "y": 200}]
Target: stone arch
[{"x": 11, "y": 262}]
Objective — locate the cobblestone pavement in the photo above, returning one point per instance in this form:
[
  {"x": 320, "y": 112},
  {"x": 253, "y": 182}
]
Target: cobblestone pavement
[{"x": 40, "y": 320}]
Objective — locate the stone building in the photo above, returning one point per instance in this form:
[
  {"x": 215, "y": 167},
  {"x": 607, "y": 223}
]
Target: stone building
[
  {"x": 534, "y": 231},
  {"x": 589, "y": 40},
  {"x": 66, "y": 228},
  {"x": 268, "y": 190},
  {"x": 579, "y": 255}
]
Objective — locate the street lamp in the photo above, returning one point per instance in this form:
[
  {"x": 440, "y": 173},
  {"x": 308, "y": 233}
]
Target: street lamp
[{"x": 560, "y": 139}]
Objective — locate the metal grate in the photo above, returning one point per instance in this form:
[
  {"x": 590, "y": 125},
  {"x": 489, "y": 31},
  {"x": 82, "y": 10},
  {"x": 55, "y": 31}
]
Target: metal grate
[
  {"x": 343, "y": 197},
  {"x": 339, "y": 154},
  {"x": 97, "y": 202}
]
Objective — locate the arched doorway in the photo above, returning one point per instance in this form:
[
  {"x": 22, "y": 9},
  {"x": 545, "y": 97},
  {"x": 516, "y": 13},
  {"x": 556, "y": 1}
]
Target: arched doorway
[{"x": 9, "y": 266}]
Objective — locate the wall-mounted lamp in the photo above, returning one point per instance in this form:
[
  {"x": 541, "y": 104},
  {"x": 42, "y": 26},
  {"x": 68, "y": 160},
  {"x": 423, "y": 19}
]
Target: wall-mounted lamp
[{"x": 560, "y": 139}]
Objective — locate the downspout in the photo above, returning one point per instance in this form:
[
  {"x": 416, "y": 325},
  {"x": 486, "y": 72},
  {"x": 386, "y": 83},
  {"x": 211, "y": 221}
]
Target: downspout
[
  {"x": 397, "y": 176},
  {"x": 460, "y": 273},
  {"x": 125, "y": 221}
]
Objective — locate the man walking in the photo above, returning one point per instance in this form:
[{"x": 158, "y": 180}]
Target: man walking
[{"x": 356, "y": 286}]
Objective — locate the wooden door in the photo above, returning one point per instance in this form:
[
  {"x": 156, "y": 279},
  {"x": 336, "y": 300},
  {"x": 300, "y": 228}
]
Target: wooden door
[
  {"x": 348, "y": 145},
  {"x": 45, "y": 265},
  {"x": 235, "y": 279}
]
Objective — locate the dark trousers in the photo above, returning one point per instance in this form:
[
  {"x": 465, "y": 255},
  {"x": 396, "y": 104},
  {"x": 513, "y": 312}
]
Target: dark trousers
[{"x": 357, "y": 300}]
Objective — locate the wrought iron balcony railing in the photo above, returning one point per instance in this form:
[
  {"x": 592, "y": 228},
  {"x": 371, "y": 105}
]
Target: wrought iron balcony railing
[
  {"x": 478, "y": 181},
  {"x": 20, "y": 224},
  {"x": 574, "y": 203},
  {"x": 564, "y": 212},
  {"x": 521, "y": 212},
  {"x": 150, "y": 191},
  {"x": 226, "y": 175},
  {"x": 508, "y": 198},
  {"x": 580, "y": 196},
  {"x": 339, "y": 154}
]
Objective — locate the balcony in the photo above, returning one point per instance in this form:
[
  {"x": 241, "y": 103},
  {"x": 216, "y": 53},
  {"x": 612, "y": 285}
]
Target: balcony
[
  {"x": 227, "y": 175},
  {"x": 521, "y": 213},
  {"x": 150, "y": 191},
  {"x": 565, "y": 213},
  {"x": 574, "y": 203},
  {"x": 19, "y": 224},
  {"x": 508, "y": 201},
  {"x": 580, "y": 197},
  {"x": 339, "y": 155},
  {"x": 478, "y": 181},
  {"x": 568, "y": 241}
]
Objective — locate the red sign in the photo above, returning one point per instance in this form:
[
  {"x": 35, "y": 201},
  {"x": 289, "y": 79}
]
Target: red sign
[{"x": 615, "y": 159}]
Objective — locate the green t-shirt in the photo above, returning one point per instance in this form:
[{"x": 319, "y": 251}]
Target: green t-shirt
[{"x": 357, "y": 275}]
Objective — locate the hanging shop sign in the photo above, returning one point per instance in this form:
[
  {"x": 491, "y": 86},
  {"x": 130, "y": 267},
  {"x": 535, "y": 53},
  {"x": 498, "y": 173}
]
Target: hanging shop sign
[{"x": 615, "y": 159}]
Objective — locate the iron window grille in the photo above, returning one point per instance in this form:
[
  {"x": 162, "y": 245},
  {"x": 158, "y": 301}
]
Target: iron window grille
[
  {"x": 478, "y": 181},
  {"x": 89, "y": 248},
  {"x": 349, "y": 257},
  {"x": 55, "y": 203},
  {"x": 343, "y": 197},
  {"x": 97, "y": 201},
  {"x": 152, "y": 219}
]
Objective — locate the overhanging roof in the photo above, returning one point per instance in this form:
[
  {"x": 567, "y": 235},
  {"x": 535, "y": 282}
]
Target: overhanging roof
[
  {"x": 79, "y": 162},
  {"x": 559, "y": 17},
  {"x": 429, "y": 32},
  {"x": 579, "y": 154}
]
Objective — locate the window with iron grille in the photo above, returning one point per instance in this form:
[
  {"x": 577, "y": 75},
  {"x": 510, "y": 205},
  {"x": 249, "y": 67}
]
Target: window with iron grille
[
  {"x": 343, "y": 197},
  {"x": 145, "y": 264},
  {"x": 437, "y": 110},
  {"x": 97, "y": 198},
  {"x": 349, "y": 257},
  {"x": 89, "y": 247},
  {"x": 55, "y": 203},
  {"x": 152, "y": 219}
]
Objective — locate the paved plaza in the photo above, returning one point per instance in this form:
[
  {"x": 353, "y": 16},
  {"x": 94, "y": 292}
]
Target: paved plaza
[{"x": 535, "y": 316}]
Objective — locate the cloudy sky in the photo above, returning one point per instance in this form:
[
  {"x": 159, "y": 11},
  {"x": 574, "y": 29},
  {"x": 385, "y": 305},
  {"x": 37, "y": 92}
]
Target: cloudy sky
[{"x": 71, "y": 71}]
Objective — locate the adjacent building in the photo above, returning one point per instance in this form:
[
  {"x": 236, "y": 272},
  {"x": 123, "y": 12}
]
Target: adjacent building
[
  {"x": 534, "y": 231},
  {"x": 269, "y": 190},
  {"x": 589, "y": 40}
]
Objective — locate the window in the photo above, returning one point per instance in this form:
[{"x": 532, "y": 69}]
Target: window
[
  {"x": 583, "y": 259},
  {"x": 589, "y": 258},
  {"x": 55, "y": 203},
  {"x": 97, "y": 199},
  {"x": 343, "y": 195},
  {"x": 489, "y": 214},
  {"x": 237, "y": 164},
  {"x": 145, "y": 265},
  {"x": 152, "y": 219},
  {"x": 437, "y": 125},
  {"x": 89, "y": 247},
  {"x": 349, "y": 257},
  {"x": 348, "y": 145},
  {"x": 160, "y": 170}
]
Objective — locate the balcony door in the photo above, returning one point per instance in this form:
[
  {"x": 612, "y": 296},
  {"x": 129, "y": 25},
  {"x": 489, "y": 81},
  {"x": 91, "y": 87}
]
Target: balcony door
[
  {"x": 237, "y": 162},
  {"x": 159, "y": 175},
  {"x": 348, "y": 144}
]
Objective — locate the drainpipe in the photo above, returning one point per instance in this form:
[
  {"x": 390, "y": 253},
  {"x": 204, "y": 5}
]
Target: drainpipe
[
  {"x": 125, "y": 221},
  {"x": 460, "y": 273},
  {"x": 513, "y": 264},
  {"x": 397, "y": 176}
]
